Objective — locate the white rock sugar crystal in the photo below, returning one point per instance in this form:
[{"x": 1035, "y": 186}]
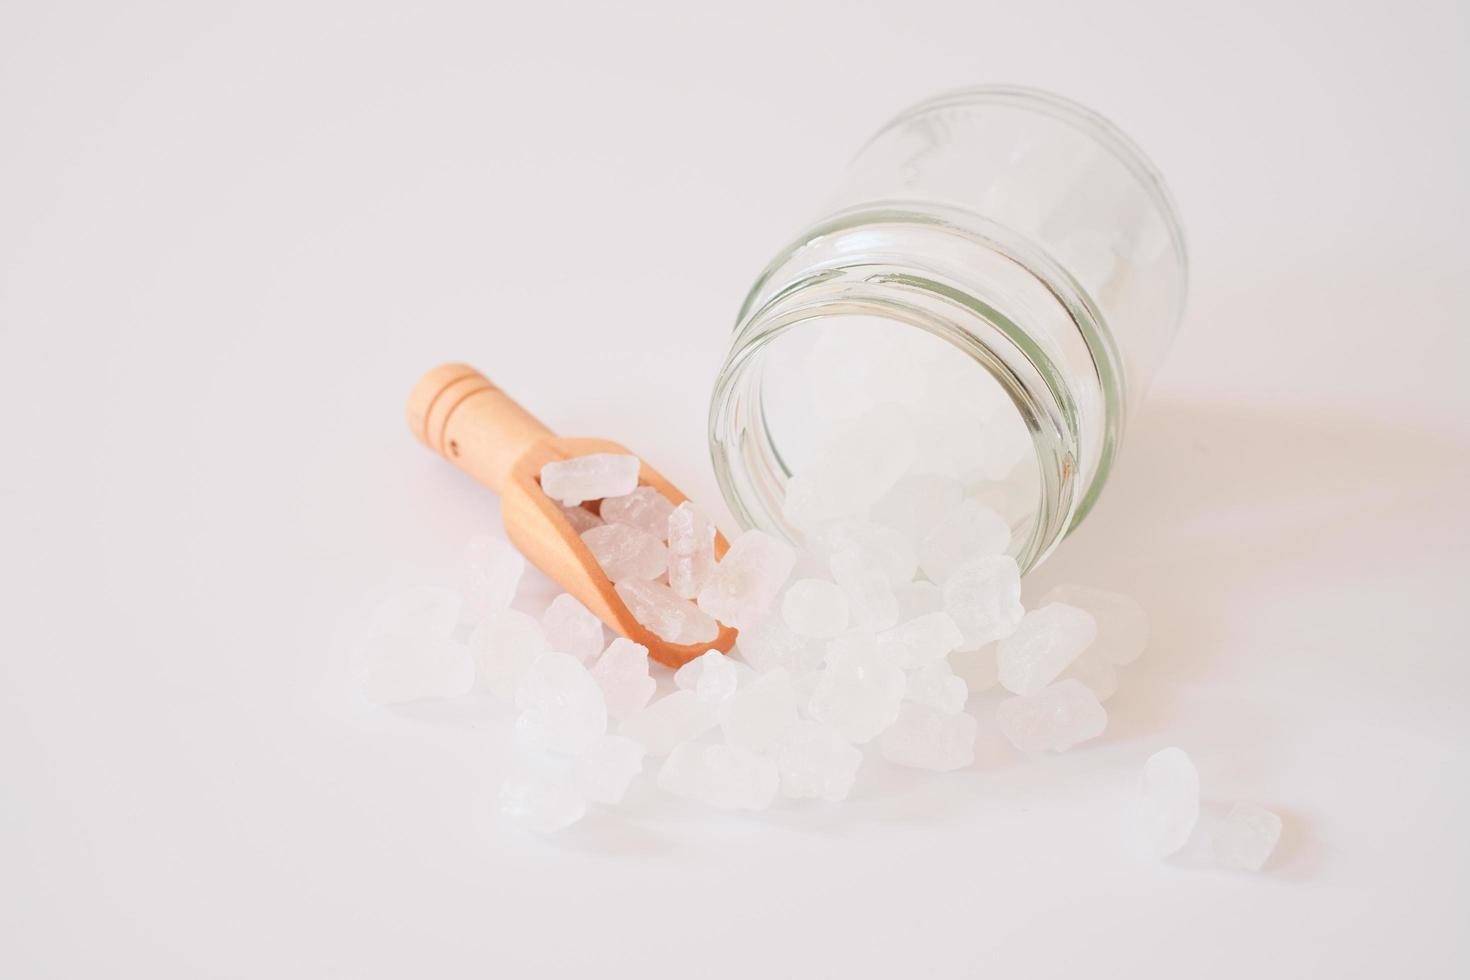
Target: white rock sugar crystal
[
  {"x": 976, "y": 667},
  {"x": 570, "y": 627},
  {"x": 590, "y": 477},
  {"x": 687, "y": 677},
  {"x": 770, "y": 643},
  {"x": 673, "y": 718},
  {"x": 1043, "y": 645},
  {"x": 916, "y": 503},
  {"x": 915, "y": 599},
  {"x": 983, "y": 597},
  {"x": 668, "y": 617},
  {"x": 969, "y": 530},
  {"x": 1244, "y": 840},
  {"x": 869, "y": 593},
  {"x": 645, "y": 508},
  {"x": 747, "y": 579},
  {"x": 859, "y": 692},
  {"x": 1122, "y": 625},
  {"x": 691, "y": 550},
  {"x": 883, "y": 546},
  {"x": 1094, "y": 670},
  {"x": 716, "y": 677},
  {"x": 424, "y": 612},
  {"x": 853, "y": 469},
  {"x": 937, "y": 686},
  {"x": 1054, "y": 719},
  {"x": 760, "y": 715},
  {"x": 1168, "y": 801},
  {"x": 624, "y": 552},
  {"x": 622, "y": 673},
  {"x": 504, "y": 646},
  {"x": 396, "y": 669},
  {"x": 562, "y": 708},
  {"x": 814, "y": 607},
  {"x": 541, "y": 800},
  {"x": 816, "y": 762},
  {"x": 603, "y": 772},
  {"x": 925, "y": 738},
  {"x": 580, "y": 518},
  {"x": 724, "y": 776},
  {"x": 494, "y": 573},
  {"x": 920, "y": 641}
]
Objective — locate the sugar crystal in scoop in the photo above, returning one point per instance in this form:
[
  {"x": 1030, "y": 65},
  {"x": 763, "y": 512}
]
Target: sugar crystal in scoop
[
  {"x": 1244, "y": 840},
  {"x": 1122, "y": 625},
  {"x": 969, "y": 530},
  {"x": 645, "y": 508},
  {"x": 562, "y": 708},
  {"x": 747, "y": 579},
  {"x": 622, "y": 673},
  {"x": 1043, "y": 645},
  {"x": 591, "y": 477},
  {"x": 691, "y": 550},
  {"x": 816, "y": 762},
  {"x": 670, "y": 618},
  {"x": 1053, "y": 719},
  {"x": 1168, "y": 800},
  {"x": 983, "y": 597},
  {"x": 504, "y": 646},
  {"x": 580, "y": 518},
  {"x": 724, "y": 776},
  {"x": 761, "y": 714},
  {"x": 869, "y": 593},
  {"x": 625, "y": 552},
  {"x": 571, "y": 627},
  {"x": 603, "y": 772},
  {"x": 926, "y": 738},
  {"x": 541, "y": 800},
  {"x": 814, "y": 607},
  {"x": 859, "y": 692}
]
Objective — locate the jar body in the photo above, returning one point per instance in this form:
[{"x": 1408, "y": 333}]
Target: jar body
[{"x": 1004, "y": 248}]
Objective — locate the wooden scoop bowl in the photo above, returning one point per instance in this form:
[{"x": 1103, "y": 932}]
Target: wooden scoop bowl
[{"x": 459, "y": 414}]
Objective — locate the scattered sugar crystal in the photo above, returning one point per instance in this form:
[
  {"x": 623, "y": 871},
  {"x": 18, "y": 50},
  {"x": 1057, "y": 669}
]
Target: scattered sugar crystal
[
  {"x": 591, "y": 477},
  {"x": 718, "y": 677},
  {"x": 916, "y": 503},
  {"x": 622, "y": 673},
  {"x": 969, "y": 530},
  {"x": 852, "y": 470},
  {"x": 1244, "y": 840},
  {"x": 691, "y": 550},
  {"x": 625, "y": 552},
  {"x": 504, "y": 646},
  {"x": 869, "y": 594},
  {"x": 425, "y": 612},
  {"x": 816, "y": 762},
  {"x": 562, "y": 708},
  {"x": 686, "y": 678},
  {"x": 983, "y": 597},
  {"x": 937, "y": 686},
  {"x": 859, "y": 692},
  {"x": 920, "y": 641},
  {"x": 408, "y": 668},
  {"x": 725, "y": 776},
  {"x": 571, "y": 627},
  {"x": 814, "y": 607},
  {"x": 645, "y": 508},
  {"x": 890, "y": 550},
  {"x": 1054, "y": 719},
  {"x": 541, "y": 801},
  {"x": 674, "y": 718},
  {"x": 668, "y": 617},
  {"x": 926, "y": 738},
  {"x": 770, "y": 643},
  {"x": 1168, "y": 800},
  {"x": 1094, "y": 670},
  {"x": 494, "y": 573},
  {"x": 580, "y": 518},
  {"x": 977, "y": 668},
  {"x": 1122, "y": 625},
  {"x": 760, "y": 715},
  {"x": 747, "y": 579},
  {"x": 915, "y": 599},
  {"x": 603, "y": 772},
  {"x": 1044, "y": 644}
]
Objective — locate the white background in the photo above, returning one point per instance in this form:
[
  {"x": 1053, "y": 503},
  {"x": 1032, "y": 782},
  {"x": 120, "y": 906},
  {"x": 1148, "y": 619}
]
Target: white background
[{"x": 231, "y": 236}]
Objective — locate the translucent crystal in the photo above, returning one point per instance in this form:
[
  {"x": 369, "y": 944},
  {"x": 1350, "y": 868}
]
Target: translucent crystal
[
  {"x": 816, "y": 762},
  {"x": 603, "y": 772},
  {"x": 687, "y": 677},
  {"x": 859, "y": 692},
  {"x": 920, "y": 641},
  {"x": 976, "y": 667},
  {"x": 425, "y": 612},
  {"x": 869, "y": 593},
  {"x": 504, "y": 646},
  {"x": 747, "y": 579},
  {"x": 571, "y": 628},
  {"x": 1168, "y": 800},
  {"x": 1094, "y": 670},
  {"x": 926, "y": 738},
  {"x": 1246, "y": 837},
  {"x": 814, "y": 607},
  {"x": 622, "y": 673},
  {"x": 917, "y": 598},
  {"x": 852, "y": 469},
  {"x": 770, "y": 643},
  {"x": 494, "y": 573},
  {"x": 969, "y": 530},
  {"x": 1054, "y": 719},
  {"x": 625, "y": 552},
  {"x": 890, "y": 550},
  {"x": 645, "y": 508},
  {"x": 1122, "y": 625},
  {"x": 1043, "y": 645},
  {"x": 717, "y": 677},
  {"x": 408, "y": 668},
  {"x": 983, "y": 597},
  {"x": 761, "y": 714},
  {"x": 916, "y": 503},
  {"x": 668, "y": 617},
  {"x": 541, "y": 801},
  {"x": 674, "y": 718},
  {"x": 562, "y": 708},
  {"x": 937, "y": 686},
  {"x": 589, "y": 477},
  {"x": 580, "y": 518},
  {"x": 691, "y": 550},
  {"x": 725, "y": 776}
]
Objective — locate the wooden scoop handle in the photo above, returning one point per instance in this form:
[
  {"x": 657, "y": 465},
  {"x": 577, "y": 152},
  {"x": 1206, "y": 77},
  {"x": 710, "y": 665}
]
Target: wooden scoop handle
[{"x": 459, "y": 414}]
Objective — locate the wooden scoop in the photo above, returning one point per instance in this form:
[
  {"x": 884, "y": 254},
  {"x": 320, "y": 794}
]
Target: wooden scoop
[{"x": 459, "y": 414}]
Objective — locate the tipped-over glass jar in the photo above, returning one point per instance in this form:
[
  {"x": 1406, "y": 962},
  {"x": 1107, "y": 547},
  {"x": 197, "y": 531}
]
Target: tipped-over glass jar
[{"x": 989, "y": 294}]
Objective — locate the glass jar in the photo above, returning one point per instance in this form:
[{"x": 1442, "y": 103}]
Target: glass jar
[{"x": 1002, "y": 266}]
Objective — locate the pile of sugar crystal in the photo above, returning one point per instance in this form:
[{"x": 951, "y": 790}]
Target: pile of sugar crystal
[{"x": 1168, "y": 816}]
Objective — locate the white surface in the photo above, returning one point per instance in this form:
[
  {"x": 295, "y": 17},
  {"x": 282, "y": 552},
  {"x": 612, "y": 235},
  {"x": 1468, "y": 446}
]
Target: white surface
[{"x": 230, "y": 239}]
